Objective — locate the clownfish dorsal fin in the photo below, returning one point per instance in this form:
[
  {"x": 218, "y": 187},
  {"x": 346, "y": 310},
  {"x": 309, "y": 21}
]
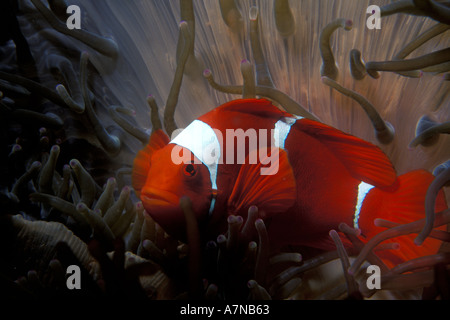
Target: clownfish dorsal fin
[
  {"x": 272, "y": 192},
  {"x": 364, "y": 160},
  {"x": 141, "y": 164},
  {"x": 257, "y": 107}
]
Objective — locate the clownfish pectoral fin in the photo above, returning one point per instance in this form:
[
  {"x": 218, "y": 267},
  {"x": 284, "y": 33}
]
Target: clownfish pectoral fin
[
  {"x": 269, "y": 184},
  {"x": 364, "y": 160},
  {"x": 141, "y": 164}
]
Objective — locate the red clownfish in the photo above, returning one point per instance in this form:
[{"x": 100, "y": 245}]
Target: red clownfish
[{"x": 305, "y": 178}]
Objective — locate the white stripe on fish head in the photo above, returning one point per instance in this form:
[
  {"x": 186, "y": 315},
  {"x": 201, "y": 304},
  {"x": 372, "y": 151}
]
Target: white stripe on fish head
[{"x": 200, "y": 139}]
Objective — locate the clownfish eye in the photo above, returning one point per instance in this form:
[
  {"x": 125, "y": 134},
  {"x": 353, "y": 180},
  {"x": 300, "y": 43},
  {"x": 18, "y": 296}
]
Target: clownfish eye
[{"x": 190, "y": 170}]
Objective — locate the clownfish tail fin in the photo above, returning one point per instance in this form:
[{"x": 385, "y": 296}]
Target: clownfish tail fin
[{"x": 402, "y": 204}]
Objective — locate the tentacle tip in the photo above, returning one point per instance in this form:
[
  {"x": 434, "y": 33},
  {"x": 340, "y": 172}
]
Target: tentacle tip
[
  {"x": 16, "y": 148},
  {"x": 185, "y": 202},
  {"x": 252, "y": 245},
  {"x": 113, "y": 145},
  {"x": 213, "y": 287},
  {"x": 111, "y": 180},
  {"x": 387, "y": 134},
  {"x": 13, "y": 197},
  {"x": 151, "y": 102},
  {"x": 55, "y": 149},
  {"x": 377, "y": 222},
  {"x": 231, "y": 219},
  {"x": 74, "y": 163},
  {"x": 441, "y": 168},
  {"x": 146, "y": 243},
  {"x": 245, "y": 62},
  {"x": 81, "y": 206},
  {"x": 427, "y": 142},
  {"x": 36, "y": 164},
  {"x": 54, "y": 262},
  {"x": 371, "y": 72},
  {"x": 44, "y": 140},
  {"x": 424, "y": 128},
  {"x": 32, "y": 273},
  {"x": 418, "y": 241},
  {"x": 221, "y": 239},
  {"x": 252, "y": 284},
  {"x": 259, "y": 223},
  {"x": 234, "y": 219},
  {"x": 348, "y": 24},
  {"x": 207, "y": 73},
  {"x": 297, "y": 258},
  {"x": 425, "y": 122},
  {"x": 211, "y": 244},
  {"x": 253, "y": 14}
]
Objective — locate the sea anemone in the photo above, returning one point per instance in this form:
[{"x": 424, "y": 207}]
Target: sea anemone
[{"x": 78, "y": 105}]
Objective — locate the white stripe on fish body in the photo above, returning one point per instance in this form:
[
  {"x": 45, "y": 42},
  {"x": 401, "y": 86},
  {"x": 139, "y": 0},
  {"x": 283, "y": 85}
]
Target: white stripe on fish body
[
  {"x": 363, "y": 191},
  {"x": 282, "y": 129}
]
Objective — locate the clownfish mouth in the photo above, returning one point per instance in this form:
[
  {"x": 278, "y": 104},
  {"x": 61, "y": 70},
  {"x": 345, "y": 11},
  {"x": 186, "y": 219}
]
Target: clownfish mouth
[{"x": 159, "y": 198}]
